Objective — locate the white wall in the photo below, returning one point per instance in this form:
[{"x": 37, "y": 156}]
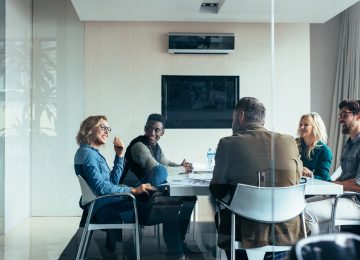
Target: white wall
[
  {"x": 125, "y": 61},
  {"x": 17, "y": 110}
]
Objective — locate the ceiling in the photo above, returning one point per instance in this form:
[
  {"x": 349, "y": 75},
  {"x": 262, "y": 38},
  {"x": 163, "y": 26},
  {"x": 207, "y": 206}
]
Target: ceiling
[{"x": 286, "y": 11}]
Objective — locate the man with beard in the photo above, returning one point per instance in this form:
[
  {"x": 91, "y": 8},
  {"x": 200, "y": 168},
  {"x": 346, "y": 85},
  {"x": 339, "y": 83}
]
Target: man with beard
[{"x": 318, "y": 213}]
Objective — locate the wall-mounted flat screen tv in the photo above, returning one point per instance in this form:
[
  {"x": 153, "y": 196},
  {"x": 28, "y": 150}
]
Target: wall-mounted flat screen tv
[{"x": 199, "y": 101}]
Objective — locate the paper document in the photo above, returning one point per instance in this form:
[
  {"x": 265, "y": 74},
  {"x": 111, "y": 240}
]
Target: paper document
[{"x": 201, "y": 176}]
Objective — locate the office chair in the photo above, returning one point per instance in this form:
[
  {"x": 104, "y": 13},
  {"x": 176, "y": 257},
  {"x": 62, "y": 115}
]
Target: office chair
[
  {"x": 327, "y": 246},
  {"x": 88, "y": 197},
  {"x": 269, "y": 205},
  {"x": 336, "y": 222}
]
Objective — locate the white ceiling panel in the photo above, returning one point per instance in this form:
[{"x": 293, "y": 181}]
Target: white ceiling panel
[{"x": 286, "y": 11}]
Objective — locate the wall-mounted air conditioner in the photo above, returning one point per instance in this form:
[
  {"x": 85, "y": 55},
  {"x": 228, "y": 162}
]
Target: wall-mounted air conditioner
[{"x": 201, "y": 43}]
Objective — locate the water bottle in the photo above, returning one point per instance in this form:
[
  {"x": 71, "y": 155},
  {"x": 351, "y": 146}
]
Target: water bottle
[{"x": 210, "y": 159}]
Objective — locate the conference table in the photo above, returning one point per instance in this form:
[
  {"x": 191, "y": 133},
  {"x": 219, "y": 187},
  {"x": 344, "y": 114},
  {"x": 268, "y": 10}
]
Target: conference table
[{"x": 197, "y": 184}]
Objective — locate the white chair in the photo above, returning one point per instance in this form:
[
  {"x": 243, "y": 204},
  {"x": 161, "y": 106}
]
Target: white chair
[
  {"x": 266, "y": 205},
  {"x": 337, "y": 222},
  {"x": 88, "y": 197}
]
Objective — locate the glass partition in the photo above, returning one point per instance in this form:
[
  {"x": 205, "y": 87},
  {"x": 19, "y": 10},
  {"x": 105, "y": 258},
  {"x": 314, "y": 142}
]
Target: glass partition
[
  {"x": 57, "y": 106},
  {"x": 114, "y": 68},
  {"x": 2, "y": 113}
]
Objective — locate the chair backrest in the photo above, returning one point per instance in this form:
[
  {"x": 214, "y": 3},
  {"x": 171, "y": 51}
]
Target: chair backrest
[
  {"x": 86, "y": 193},
  {"x": 269, "y": 204},
  {"x": 329, "y": 246}
]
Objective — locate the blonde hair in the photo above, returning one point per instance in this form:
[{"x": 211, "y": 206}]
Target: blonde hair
[
  {"x": 85, "y": 133},
  {"x": 319, "y": 132}
]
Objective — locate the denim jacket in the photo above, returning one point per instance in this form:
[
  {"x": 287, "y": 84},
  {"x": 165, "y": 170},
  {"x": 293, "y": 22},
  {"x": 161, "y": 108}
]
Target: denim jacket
[
  {"x": 350, "y": 160},
  {"x": 92, "y": 166}
]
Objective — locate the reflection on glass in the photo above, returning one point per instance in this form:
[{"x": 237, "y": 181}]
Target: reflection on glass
[
  {"x": 2, "y": 113},
  {"x": 45, "y": 87},
  {"x": 17, "y": 102}
]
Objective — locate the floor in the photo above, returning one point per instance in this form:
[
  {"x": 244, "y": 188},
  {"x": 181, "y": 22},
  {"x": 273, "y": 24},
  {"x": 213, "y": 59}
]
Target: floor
[
  {"x": 38, "y": 238},
  {"x": 42, "y": 238}
]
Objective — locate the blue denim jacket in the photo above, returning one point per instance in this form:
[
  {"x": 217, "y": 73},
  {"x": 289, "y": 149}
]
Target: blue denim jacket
[
  {"x": 92, "y": 166},
  {"x": 350, "y": 160}
]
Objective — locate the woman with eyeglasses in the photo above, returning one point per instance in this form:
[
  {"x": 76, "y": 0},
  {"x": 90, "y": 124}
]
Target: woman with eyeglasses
[
  {"x": 315, "y": 154},
  {"x": 93, "y": 168}
]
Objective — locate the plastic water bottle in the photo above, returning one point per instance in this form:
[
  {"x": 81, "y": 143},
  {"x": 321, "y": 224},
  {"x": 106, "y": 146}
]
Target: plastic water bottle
[{"x": 210, "y": 159}]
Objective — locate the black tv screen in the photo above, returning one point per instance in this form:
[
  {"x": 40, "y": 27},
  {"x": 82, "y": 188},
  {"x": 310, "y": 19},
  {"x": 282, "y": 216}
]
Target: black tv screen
[{"x": 199, "y": 101}]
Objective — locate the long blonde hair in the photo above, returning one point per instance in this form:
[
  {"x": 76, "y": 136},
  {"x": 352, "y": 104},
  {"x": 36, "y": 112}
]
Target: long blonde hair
[{"x": 319, "y": 132}]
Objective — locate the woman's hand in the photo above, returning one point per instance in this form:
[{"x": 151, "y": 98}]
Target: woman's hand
[
  {"x": 307, "y": 173},
  {"x": 188, "y": 166},
  {"x": 143, "y": 188},
  {"x": 119, "y": 147}
]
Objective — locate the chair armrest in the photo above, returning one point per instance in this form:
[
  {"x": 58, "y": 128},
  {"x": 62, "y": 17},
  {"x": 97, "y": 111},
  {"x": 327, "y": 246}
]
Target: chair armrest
[
  {"x": 118, "y": 194},
  {"x": 346, "y": 194}
]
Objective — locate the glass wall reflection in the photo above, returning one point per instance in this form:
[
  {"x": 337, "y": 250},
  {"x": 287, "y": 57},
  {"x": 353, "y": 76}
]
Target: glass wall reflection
[
  {"x": 45, "y": 87},
  {"x": 57, "y": 106},
  {"x": 2, "y": 112}
]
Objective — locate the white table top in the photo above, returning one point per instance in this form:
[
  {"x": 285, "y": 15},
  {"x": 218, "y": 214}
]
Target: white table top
[
  {"x": 319, "y": 187},
  {"x": 180, "y": 185}
]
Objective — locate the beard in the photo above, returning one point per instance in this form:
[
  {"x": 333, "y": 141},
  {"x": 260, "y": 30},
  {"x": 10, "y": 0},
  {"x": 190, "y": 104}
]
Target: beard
[{"x": 345, "y": 129}]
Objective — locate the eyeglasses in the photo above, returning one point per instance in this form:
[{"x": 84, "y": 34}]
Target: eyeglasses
[
  {"x": 149, "y": 128},
  {"x": 105, "y": 128},
  {"x": 343, "y": 114}
]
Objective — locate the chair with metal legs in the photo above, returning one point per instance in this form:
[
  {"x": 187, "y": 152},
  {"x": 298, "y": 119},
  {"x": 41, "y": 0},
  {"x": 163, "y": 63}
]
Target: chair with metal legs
[
  {"x": 338, "y": 222},
  {"x": 89, "y": 198},
  {"x": 269, "y": 205}
]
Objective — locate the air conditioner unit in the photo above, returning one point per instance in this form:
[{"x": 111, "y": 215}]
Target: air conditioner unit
[{"x": 201, "y": 43}]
